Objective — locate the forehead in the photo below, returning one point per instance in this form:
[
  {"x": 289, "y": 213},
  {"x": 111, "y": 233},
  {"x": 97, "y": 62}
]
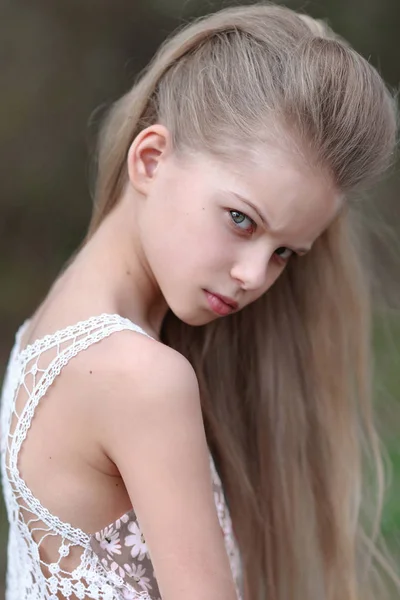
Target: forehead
[{"x": 293, "y": 195}]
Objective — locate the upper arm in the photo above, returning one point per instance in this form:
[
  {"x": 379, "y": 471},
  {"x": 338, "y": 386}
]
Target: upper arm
[{"x": 157, "y": 440}]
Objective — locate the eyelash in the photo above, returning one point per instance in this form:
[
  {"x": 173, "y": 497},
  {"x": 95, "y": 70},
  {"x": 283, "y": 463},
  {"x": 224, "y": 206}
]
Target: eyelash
[
  {"x": 253, "y": 228},
  {"x": 236, "y": 225}
]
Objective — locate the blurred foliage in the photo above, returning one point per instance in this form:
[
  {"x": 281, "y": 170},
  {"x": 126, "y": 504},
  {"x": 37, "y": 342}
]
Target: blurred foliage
[{"x": 62, "y": 63}]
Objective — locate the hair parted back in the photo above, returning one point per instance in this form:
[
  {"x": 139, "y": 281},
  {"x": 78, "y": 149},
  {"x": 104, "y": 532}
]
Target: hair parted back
[{"x": 285, "y": 383}]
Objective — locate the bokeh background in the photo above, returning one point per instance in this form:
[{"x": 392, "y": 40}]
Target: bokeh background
[{"x": 61, "y": 64}]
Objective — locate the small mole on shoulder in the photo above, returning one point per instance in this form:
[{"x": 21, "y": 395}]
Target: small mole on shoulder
[{"x": 90, "y": 372}]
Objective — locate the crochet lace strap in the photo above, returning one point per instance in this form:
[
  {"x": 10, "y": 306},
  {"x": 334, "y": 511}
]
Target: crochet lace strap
[
  {"x": 81, "y": 336},
  {"x": 73, "y": 331}
]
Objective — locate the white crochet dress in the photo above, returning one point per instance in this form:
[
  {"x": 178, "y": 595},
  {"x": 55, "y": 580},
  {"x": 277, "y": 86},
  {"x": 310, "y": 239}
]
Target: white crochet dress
[{"x": 113, "y": 563}]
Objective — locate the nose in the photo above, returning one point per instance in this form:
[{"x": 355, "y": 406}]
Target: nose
[{"x": 252, "y": 271}]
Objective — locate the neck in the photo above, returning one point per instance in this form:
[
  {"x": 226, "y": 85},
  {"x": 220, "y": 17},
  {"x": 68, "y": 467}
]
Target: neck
[{"x": 112, "y": 271}]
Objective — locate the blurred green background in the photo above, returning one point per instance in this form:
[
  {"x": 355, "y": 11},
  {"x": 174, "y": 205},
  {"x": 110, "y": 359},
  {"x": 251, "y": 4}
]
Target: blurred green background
[{"x": 62, "y": 63}]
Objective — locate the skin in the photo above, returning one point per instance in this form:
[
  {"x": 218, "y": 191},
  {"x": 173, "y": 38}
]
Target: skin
[{"x": 171, "y": 236}]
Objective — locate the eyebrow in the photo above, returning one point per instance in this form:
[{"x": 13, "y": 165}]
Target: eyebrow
[{"x": 265, "y": 220}]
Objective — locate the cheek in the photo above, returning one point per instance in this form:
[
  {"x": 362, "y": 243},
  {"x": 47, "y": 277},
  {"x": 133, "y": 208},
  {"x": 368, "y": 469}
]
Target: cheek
[
  {"x": 193, "y": 237},
  {"x": 199, "y": 250}
]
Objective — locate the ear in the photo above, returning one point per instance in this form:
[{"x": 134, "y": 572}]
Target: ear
[{"x": 149, "y": 148}]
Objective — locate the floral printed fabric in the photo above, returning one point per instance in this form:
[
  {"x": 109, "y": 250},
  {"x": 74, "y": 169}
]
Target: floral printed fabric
[{"x": 122, "y": 549}]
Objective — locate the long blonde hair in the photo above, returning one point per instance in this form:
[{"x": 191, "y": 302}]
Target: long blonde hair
[{"x": 285, "y": 383}]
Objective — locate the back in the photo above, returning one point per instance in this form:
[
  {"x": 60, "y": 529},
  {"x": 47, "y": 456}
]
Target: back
[{"x": 53, "y": 557}]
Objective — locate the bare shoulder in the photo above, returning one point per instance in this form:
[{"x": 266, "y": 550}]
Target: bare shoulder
[
  {"x": 132, "y": 362},
  {"x": 133, "y": 378}
]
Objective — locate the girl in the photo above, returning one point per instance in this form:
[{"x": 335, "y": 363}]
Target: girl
[{"x": 187, "y": 413}]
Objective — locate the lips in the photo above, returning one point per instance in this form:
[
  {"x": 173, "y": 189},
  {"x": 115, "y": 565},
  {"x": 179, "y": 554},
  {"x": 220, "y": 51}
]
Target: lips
[
  {"x": 227, "y": 300},
  {"x": 221, "y": 305}
]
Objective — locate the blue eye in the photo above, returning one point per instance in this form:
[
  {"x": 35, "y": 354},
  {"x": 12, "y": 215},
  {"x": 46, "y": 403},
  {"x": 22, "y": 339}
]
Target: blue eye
[{"x": 242, "y": 221}]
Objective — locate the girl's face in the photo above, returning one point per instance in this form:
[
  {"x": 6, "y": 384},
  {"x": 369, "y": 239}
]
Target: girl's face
[{"x": 209, "y": 229}]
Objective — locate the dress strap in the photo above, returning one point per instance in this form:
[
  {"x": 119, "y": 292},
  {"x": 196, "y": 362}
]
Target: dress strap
[
  {"x": 100, "y": 323},
  {"x": 81, "y": 335}
]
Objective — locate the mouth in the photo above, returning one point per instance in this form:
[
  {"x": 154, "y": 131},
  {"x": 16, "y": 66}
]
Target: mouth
[{"x": 222, "y": 305}]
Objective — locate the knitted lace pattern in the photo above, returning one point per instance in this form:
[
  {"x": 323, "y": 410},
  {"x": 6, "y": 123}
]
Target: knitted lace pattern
[{"x": 30, "y": 574}]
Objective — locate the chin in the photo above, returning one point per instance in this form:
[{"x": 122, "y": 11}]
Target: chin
[
  {"x": 201, "y": 321},
  {"x": 195, "y": 319}
]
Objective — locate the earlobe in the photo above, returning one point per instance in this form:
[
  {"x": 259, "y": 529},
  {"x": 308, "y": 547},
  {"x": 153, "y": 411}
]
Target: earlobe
[{"x": 146, "y": 152}]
